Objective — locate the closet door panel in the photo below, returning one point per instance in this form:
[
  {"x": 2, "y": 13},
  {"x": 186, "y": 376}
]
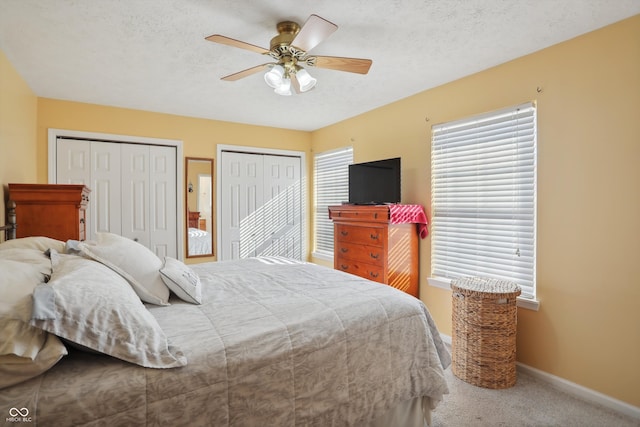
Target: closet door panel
[
  {"x": 163, "y": 214},
  {"x": 73, "y": 158},
  {"x": 283, "y": 207},
  {"x": 242, "y": 197},
  {"x": 106, "y": 206},
  {"x": 135, "y": 193}
]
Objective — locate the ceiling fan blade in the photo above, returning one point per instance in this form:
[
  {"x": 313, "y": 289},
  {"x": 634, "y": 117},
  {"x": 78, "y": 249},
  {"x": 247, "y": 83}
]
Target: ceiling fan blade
[
  {"x": 217, "y": 38},
  {"x": 313, "y": 32},
  {"x": 245, "y": 73},
  {"x": 352, "y": 65}
]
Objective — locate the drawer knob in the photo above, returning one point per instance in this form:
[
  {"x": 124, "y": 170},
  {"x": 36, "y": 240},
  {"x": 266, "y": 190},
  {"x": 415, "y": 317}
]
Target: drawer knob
[
  {"x": 344, "y": 233},
  {"x": 374, "y": 275},
  {"x": 344, "y": 267},
  {"x": 81, "y": 220},
  {"x": 374, "y": 256},
  {"x": 344, "y": 250},
  {"x": 373, "y": 236}
]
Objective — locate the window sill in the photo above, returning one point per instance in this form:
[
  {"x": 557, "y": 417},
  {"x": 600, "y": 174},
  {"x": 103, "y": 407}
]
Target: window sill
[{"x": 528, "y": 303}]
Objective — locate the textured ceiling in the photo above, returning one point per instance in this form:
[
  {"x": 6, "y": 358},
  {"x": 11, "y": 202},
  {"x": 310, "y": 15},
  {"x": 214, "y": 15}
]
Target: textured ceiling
[{"x": 151, "y": 54}]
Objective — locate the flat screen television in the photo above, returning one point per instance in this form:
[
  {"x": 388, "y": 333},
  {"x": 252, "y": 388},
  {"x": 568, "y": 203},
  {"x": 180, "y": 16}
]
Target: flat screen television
[{"x": 375, "y": 183}]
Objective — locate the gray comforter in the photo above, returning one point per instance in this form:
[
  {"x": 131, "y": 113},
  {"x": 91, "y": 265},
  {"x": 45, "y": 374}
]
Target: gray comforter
[{"x": 273, "y": 344}]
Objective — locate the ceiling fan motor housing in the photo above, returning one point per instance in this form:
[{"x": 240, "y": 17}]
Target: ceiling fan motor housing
[{"x": 281, "y": 44}]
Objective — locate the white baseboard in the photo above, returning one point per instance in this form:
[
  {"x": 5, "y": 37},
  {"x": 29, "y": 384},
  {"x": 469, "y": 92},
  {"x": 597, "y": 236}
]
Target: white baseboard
[{"x": 574, "y": 389}]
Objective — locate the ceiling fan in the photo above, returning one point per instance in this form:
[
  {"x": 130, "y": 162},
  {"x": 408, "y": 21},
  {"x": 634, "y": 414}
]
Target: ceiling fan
[{"x": 290, "y": 49}]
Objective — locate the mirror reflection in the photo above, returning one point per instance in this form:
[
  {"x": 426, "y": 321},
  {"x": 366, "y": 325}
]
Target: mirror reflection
[{"x": 199, "y": 173}]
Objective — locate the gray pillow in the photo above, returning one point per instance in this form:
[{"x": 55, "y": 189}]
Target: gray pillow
[
  {"x": 131, "y": 260},
  {"x": 182, "y": 280},
  {"x": 92, "y": 306}
]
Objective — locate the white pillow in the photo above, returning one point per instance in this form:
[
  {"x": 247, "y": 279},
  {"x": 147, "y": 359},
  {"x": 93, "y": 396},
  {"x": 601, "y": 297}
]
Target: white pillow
[
  {"x": 36, "y": 242},
  {"x": 182, "y": 280},
  {"x": 34, "y": 258},
  {"x": 133, "y": 261},
  {"x": 25, "y": 351},
  {"x": 90, "y": 305},
  {"x": 17, "y": 282},
  {"x": 15, "y": 369}
]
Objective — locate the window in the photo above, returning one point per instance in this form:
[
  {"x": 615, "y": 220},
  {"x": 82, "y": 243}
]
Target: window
[
  {"x": 331, "y": 187},
  {"x": 483, "y": 187}
]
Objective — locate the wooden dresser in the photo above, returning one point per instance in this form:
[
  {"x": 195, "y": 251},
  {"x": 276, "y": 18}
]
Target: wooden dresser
[
  {"x": 52, "y": 210},
  {"x": 368, "y": 245},
  {"x": 193, "y": 219}
]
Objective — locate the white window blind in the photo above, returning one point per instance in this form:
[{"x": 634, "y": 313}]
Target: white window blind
[
  {"x": 484, "y": 197},
  {"x": 331, "y": 187}
]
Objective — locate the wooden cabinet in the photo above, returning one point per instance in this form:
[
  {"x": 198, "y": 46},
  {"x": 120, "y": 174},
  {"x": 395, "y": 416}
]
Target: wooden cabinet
[
  {"x": 368, "y": 245},
  {"x": 52, "y": 210}
]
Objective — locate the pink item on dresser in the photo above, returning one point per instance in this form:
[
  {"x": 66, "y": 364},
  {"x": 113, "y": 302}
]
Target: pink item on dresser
[{"x": 400, "y": 214}]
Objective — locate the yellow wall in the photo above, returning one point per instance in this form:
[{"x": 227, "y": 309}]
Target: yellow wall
[
  {"x": 587, "y": 329},
  {"x": 18, "y": 107}
]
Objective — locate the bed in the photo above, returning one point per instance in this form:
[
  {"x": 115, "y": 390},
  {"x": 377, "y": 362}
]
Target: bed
[
  {"x": 120, "y": 337},
  {"x": 199, "y": 242}
]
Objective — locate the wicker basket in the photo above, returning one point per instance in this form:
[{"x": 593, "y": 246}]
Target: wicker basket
[{"x": 484, "y": 331}]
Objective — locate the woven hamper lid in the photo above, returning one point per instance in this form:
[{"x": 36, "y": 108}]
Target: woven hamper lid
[{"x": 485, "y": 285}]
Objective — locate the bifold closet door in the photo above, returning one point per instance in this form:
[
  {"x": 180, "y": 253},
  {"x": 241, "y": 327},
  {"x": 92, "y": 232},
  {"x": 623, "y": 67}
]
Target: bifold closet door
[
  {"x": 148, "y": 197},
  {"x": 133, "y": 189},
  {"x": 261, "y": 206},
  {"x": 241, "y": 200},
  {"x": 95, "y": 164},
  {"x": 283, "y": 207}
]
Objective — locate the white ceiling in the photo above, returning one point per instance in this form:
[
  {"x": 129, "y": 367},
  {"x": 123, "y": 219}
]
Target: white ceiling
[{"x": 151, "y": 54}]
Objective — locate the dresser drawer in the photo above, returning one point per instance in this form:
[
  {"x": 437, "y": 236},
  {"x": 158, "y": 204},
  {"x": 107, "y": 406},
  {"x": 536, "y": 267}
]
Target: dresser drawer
[
  {"x": 362, "y": 269},
  {"x": 365, "y": 253},
  {"x": 360, "y": 214},
  {"x": 373, "y": 236}
]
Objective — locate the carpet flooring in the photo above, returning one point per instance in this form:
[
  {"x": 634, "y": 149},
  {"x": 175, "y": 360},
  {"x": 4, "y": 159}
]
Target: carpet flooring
[{"x": 531, "y": 402}]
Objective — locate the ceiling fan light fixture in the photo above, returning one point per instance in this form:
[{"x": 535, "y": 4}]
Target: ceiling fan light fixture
[
  {"x": 274, "y": 77},
  {"x": 306, "y": 81},
  {"x": 284, "y": 88}
]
